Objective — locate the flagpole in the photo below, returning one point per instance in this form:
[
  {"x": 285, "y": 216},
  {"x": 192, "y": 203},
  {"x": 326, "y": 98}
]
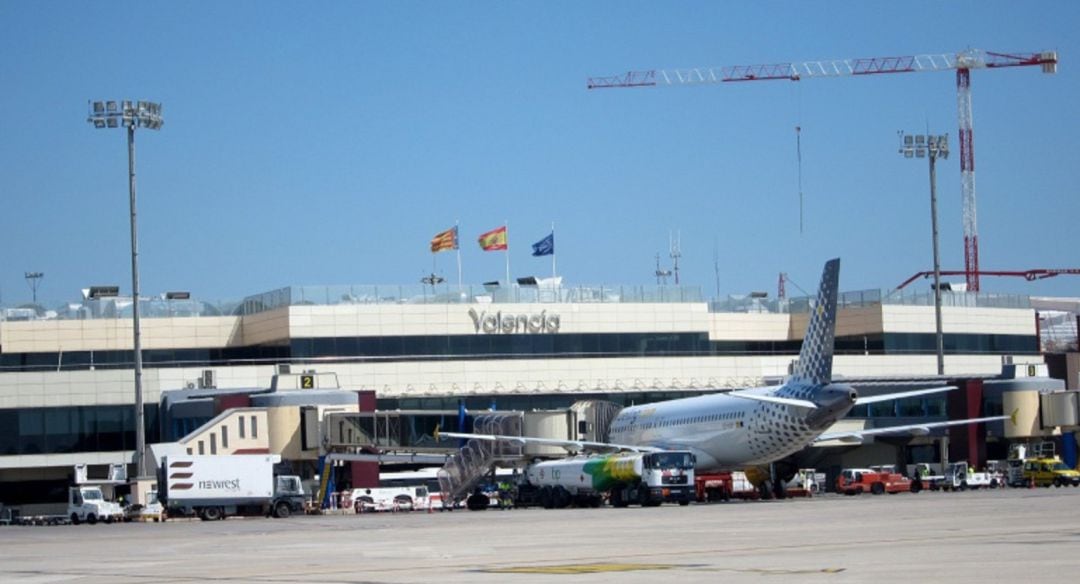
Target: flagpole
[
  {"x": 457, "y": 247},
  {"x": 506, "y": 227},
  {"x": 553, "y": 252}
]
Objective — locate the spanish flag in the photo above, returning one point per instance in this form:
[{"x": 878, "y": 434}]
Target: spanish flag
[
  {"x": 494, "y": 240},
  {"x": 445, "y": 240}
]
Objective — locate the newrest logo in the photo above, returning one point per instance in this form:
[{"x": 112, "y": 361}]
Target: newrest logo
[{"x": 224, "y": 485}]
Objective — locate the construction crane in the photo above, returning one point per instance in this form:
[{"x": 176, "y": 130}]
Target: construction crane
[
  {"x": 963, "y": 62},
  {"x": 1029, "y": 275}
]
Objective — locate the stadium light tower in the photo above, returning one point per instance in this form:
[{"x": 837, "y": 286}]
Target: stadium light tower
[
  {"x": 131, "y": 115},
  {"x": 34, "y": 280},
  {"x": 932, "y": 147}
]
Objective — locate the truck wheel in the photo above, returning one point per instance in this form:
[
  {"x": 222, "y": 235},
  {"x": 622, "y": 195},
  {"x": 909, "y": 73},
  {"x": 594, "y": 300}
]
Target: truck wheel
[
  {"x": 916, "y": 487},
  {"x": 877, "y": 488},
  {"x": 546, "y": 499},
  {"x": 561, "y": 497},
  {"x": 91, "y": 519},
  {"x": 74, "y": 518},
  {"x": 1057, "y": 482},
  {"x": 211, "y": 513},
  {"x": 282, "y": 510}
]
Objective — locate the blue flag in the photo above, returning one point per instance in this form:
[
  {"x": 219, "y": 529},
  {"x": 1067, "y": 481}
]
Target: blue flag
[{"x": 545, "y": 246}]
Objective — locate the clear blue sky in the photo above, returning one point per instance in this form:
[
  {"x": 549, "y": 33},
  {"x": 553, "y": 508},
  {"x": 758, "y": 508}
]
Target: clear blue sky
[{"x": 326, "y": 143}]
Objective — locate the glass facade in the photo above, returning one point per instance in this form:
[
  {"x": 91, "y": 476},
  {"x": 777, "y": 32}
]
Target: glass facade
[
  {"x": 63, "y": 430},
  {"x": 524, "y": 346}
]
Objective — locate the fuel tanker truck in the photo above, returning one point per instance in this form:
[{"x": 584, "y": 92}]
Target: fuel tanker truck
[{"x": 643, "y": 478}]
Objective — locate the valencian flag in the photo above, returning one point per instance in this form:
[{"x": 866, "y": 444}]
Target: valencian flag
[
  {"x": 494, "y": 240},
  {"x": 545, "y": 246},
  {"x": 445, "y": 241}
]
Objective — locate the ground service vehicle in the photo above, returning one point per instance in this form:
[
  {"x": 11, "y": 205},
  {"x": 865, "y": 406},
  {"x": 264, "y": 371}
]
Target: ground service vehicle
[
  {"x": 648, "y": 479},
  {"x": 214, "y": 487},
  {"x": 960, "y": 477},
  {"x": 1043, "y": 472},
  {"x": 722, "y": 486},
  {"x": 87, "y": 503},
  {"x": 805, "y": 483},
  {"x": 151, "y": 511},
  {"x": 390, "y": 499},
  {"x": 855, "y": 481}
]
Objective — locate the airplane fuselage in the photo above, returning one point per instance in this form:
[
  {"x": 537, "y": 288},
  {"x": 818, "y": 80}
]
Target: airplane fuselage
[{"x": 726, "y": 432}]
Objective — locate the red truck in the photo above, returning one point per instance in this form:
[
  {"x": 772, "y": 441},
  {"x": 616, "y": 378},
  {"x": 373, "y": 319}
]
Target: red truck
[{"x": 855, "y": 481}]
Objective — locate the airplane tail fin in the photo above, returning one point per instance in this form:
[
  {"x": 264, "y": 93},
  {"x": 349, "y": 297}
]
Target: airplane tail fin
[{"x": 815, "y": 357}]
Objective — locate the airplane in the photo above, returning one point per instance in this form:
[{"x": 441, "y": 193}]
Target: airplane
[{"x": 749, "y": 428}]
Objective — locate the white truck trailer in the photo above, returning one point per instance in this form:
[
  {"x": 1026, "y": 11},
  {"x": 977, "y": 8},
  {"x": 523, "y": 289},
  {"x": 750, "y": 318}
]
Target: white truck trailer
[
  {"x": 647, "y": 479},
  {"x": 214, "y": 487}
]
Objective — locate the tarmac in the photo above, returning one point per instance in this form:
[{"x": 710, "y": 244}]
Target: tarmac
[{"x": 1020, "y": 535}]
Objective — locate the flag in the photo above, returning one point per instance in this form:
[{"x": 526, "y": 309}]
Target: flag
[
  {"x": 494, "y": 240},
  {"x": 545, "y": 246},
  {"x": 445, "y": 240}
]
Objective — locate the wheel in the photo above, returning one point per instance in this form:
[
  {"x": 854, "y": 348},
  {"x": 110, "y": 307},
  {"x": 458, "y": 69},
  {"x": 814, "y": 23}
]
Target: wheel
[
  {"x": 684, "y": 502},
  {"x": 877, "y": 488},
  {"x": 547, "y": 499},
  {"x": 282, "y": 510},
  {"x": 91, "y": 519},
  {"x": 74, "y": 518},
  {"x": 560, "y": 497},
  {"x": 211, "y": 513},
  {"x": 916, "y": 487},
  {"x": 643, "y": 496},
  {"x": 617, "y": 498},
  {"x": 994, "y": 484},
  {"x": 403, "y": 502},
  {"x": 1057, "y": 482}
]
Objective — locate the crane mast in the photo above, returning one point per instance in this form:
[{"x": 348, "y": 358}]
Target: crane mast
[{"x": 963, "y": 62}]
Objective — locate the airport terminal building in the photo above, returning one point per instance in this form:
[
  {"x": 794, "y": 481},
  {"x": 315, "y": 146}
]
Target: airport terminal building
[{"x": 67, "y": 388}]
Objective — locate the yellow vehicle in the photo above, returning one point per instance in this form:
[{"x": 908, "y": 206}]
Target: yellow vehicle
[{"x": 1050, "y": 471}]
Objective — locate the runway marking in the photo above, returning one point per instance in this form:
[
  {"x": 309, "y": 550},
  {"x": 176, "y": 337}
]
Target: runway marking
[
  {"x": 775, "y": 571},
  {"x": 579, "y": 568}
]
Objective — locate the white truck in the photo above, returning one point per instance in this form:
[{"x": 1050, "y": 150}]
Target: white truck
[
  {"x": 960, "y": 477},
  {"x": 214, "y": 487},
  {"x": 647, "y": 479},
  {"x": 390, "y": 499},
  {"x": 87, "y": 503}
]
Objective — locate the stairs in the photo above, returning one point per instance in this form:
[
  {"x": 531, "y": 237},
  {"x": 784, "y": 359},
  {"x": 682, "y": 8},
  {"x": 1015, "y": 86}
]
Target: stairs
[{"x": 474, "y": 460}]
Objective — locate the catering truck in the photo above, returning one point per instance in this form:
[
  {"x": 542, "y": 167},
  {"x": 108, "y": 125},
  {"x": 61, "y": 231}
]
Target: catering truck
[
  {"x": 214, "y": 487},
  {"x": 648, "y": 479}
]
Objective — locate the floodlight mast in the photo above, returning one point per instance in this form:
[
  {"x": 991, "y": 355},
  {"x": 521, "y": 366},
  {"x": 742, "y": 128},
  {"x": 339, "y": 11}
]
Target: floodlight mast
[
  {"x": 932, "y": 147},
  {"x": 131, "y": 115}
]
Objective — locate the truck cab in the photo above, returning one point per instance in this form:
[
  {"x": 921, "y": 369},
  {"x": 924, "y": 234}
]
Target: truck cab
[{"x": 87, "y": 503}]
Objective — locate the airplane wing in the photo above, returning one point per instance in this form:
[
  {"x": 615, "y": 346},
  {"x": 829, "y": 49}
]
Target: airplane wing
[
  {"x": 856, "y": 436},
  {"x": 573, "y": 445},
  {"x": 901, "y": 395},
  {"x": 802, "y": 403}
]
